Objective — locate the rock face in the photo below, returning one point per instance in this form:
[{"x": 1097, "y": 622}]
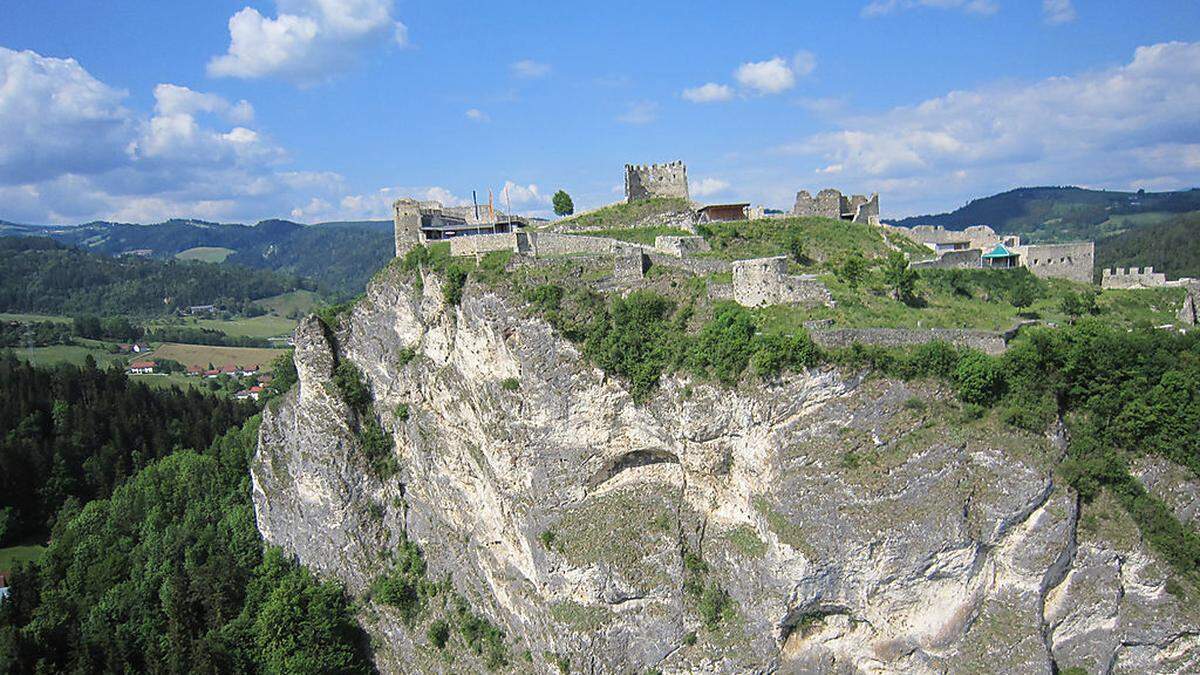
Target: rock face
[{"x": 823, "y": 523}]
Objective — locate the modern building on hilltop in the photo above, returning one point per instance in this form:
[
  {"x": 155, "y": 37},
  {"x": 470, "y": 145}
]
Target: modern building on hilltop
[{"x": 416, "y": 222}]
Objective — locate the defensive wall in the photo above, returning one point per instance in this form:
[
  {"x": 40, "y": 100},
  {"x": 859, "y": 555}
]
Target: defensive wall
[
  {"x": 1132, "y": 277},
  {"x": 646, "y": 181},
  {"x": 1061, "y": 261},
  {"x": 839, "y": 338},
  {"x": 765, "y": 281}
]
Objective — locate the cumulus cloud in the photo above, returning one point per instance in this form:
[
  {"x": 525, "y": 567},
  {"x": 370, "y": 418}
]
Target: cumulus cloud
[
  {"x": 1058, "y": 11},
  {"x": 56, "y": 118},
  {"x": 639, "y": 112},
  {"x": 1122, "y": 127},
  {"x": 772, "y": 76},
  {"x": 882, "y": 7},
  {"x": 707, "y": 186},
  {"x": 529, "y": 69},
  {"x": 766, "y": 77},
  {"x": 477, "y": 115},
  {"x": 71, "y": 150},
  {"x": 307, "y": 41},
  {"x": 708, "y": 93}
]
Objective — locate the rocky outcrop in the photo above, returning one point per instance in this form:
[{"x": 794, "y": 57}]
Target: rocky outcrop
[{"x": 822, "y": 523}]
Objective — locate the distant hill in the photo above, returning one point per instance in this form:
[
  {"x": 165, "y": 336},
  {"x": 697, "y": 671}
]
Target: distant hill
[
  {"x": 39, "y": 275},
  {"x": 1172, "y": 246},
  {"x": 339, "y": 256},
  {"x": 1064, "y": 213}
]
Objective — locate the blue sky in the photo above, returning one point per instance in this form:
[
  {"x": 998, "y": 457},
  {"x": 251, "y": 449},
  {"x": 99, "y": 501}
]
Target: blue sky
[{"x": 328, "y": 109}]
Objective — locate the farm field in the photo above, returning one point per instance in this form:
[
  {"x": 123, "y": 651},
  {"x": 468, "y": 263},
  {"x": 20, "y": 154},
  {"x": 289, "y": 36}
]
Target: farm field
[
  {"x": 288, "y": 303},
  {"x": 33, "y": 318},
  {"x": 14, "y": 555},
  {"x": 211, "y": 254},
  {"x": 203, "y": 355},
  {"x": 263, "y": 326},
  {"x": 74, "y": 354}
]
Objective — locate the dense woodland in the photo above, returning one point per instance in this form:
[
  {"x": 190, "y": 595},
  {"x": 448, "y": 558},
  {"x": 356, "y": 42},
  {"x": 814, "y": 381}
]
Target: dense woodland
[
  {"x": 154, "y": 562},
  {"x": 69, "y": 435},
  {"x": 338, "y": 257},
  {"x": 1172, "y": 247},
  {"x": 38, "y": 275}
]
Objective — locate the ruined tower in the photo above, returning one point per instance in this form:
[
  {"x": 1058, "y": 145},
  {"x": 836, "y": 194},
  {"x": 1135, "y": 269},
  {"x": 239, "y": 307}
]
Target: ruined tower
[
  {"x": 406, "y": 223},
  {"x": 646, "y": 181}
]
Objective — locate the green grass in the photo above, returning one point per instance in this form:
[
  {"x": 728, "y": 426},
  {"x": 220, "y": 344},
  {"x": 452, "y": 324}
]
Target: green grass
[
  {"x": 263, "y": 326},
  {"x": 14, "y": 555},
  {"x": 33, "y": 318},
  {"x": 209, "y": 254},
  {"x": 73, "y": 354},
  {"x": 870, "y": 306},
  {"x": 296, "y": 302},
  {"x": 640, "y": 235},
  {"x": 824, "y": 241},
  {"x": 166, "y": 381},
  {"x": 622, "y": 214}
]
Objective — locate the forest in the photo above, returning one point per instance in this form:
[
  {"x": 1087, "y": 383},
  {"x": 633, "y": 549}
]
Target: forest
[{"x": 38, "y": 275}]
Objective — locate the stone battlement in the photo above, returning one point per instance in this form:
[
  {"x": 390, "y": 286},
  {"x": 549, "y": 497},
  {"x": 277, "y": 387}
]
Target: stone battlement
[
  {"x": 1132, "y": 277},
  {"x": 647, "y": 181}
]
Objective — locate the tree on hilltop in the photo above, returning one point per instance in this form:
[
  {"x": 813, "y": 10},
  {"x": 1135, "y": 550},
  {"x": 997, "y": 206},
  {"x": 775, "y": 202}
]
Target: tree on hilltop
[
  {"x": 563, "y": 205},
  {"x": 899, "y": 277}
]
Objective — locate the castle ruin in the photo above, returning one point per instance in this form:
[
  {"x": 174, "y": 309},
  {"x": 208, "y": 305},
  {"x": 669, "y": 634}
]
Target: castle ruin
[
  {"x": 647, "y": 181},
  {"x": 831, "y": 203}
]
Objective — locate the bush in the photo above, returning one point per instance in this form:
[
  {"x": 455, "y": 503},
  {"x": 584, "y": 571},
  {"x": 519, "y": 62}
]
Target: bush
[
  {"x": 979, "y": 378},
  {"x": 853, "y": 269},
  {"x": 405, "y": 356},
  {"x": 404, "y": 586},
  {"x": 456, "y": 279},
  {"x": 899, "y": 277},
  {"x": 510, "y": 384},
  {"x": 349, "y": 382},
  {"x": 438, "y": 633},
  {"x": 634, "y": 340},
  {"x": 724, "y": 344},
  {"x": 401, "y": 412},
  {"x": 775, "y": 352}
]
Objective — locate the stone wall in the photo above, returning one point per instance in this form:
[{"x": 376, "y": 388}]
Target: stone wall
[
  {"x": 965, "y": 259},
  {"x": 680, "y": 246},
  {"x": 831, "y": 203},
  {"x": 476, "y": 244},
  {"x": 645, "y": 181},
  {"x": 552, "y": 243},
  {"x": 837, "y": 338},
  {"x": 1132, "y": 277},
  {"x": 765, "y": 281},
  {"x": 630, "y": 265},
  {"x": 1062, "y": 261},
  {"x": 406, "y": 225}
]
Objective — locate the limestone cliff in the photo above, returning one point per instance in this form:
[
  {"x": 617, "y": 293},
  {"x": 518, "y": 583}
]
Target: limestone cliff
[{"x": 825, "y": 523}]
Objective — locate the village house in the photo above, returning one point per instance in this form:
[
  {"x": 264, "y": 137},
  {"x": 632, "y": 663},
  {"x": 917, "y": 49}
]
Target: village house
[
  {"x": 141, "y": 367},
  {"x": 194, "y": 371}
]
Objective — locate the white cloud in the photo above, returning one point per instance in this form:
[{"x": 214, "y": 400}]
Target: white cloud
[
  {"x": 56, "y": 118},
  {"x": 477, "y": 115},
  {"x": 1058, "y": 11},
  {"x": 708, "y": 93},
  {"x": 172, "y": 99},
  {"x": 707, "y": 186},
  {"x": 307, "y": 41},
  {"x": 766, "y": 77},
  {"x": 882, "y": 7},
  {"x": 639, "y": 112},
  {"x": 1113, "y": 127},
  {"x": 529, "y": 69}
]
